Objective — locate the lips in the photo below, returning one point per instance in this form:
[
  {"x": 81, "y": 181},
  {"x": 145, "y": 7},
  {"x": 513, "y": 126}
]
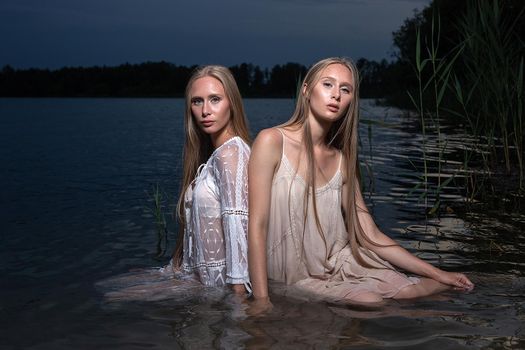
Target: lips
[
  {"x": 333, "y": 107},
  {"x": 207, "y": 123}
]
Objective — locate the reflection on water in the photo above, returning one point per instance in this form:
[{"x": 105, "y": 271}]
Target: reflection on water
[
  {"x": 209, "y": 318},
  {"x": 77, "y": 243}
]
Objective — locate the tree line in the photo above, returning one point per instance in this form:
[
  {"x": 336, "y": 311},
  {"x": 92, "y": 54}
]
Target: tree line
[
  {"x": 164, "y": 79},
  {"x": 379, "y": 79}
]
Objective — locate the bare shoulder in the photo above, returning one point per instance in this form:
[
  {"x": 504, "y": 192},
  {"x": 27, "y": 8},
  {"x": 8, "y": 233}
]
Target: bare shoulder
[
  {"x": 269, "y": 139},
  {"x": 266, "y": 149}
]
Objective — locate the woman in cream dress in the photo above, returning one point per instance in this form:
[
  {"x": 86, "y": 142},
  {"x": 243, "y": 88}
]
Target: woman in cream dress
[{"x": 309, "y": 226}]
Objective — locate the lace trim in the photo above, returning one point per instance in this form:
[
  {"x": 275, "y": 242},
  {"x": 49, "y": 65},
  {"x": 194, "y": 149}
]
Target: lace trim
[
  {"x": 188, "y": 268},
  {"x": 234, "y": 212}
]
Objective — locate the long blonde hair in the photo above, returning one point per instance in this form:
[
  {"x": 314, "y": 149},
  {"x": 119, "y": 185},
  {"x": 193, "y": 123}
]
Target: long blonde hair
[
  {"x": 197, "y": 145},
  {"x": 343, "y": 135}
]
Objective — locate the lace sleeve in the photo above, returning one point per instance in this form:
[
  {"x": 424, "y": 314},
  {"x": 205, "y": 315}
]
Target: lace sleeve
[{"x": 231, "y": 176}]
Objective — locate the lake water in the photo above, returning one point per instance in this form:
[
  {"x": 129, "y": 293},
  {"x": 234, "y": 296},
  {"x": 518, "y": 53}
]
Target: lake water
[{"x": 77, "y": 176}]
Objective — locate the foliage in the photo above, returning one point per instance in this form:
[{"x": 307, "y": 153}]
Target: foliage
[
  {"x": 478, "y": 83},
  {"x": 150, "y": 79},
  {"x": 162, "y": 79},
  {"x": 489, "y": 86},
  {"x": 158, "y": 197}
]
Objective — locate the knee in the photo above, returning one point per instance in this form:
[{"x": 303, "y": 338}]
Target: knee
[
  {"x": 367, "y": 298},
  {"x": 407, "y": 292}
]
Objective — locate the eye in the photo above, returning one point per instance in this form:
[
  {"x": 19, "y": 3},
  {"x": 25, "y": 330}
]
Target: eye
[
  {"x": 345, "y": 90},
  {"x": 327, "y": 84},
  {"x": 215, "y": 99},
  {"x": 196, "y": 101}
]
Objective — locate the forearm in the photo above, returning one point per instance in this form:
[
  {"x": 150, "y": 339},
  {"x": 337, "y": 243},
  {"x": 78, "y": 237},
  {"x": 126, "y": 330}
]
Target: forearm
[
  {"x": 265, "y": 156},
  {"x": 392, "y": 252},
  {"x": 387, "y": 249},
  {"x": 257, "y": 262}
]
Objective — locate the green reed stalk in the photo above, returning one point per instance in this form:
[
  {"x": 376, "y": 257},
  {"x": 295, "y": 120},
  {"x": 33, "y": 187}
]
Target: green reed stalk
[
  {"x": 160, "y": 220},
  {"x": 438, "y": 82},
  {"x": 418, "y": 105}
]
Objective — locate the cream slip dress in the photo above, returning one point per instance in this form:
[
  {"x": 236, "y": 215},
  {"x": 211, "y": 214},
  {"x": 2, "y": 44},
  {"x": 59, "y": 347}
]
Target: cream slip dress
[{"x": 298, "y": 254}]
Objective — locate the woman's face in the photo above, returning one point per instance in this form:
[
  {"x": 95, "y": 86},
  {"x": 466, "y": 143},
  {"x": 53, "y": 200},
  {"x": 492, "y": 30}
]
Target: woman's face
[
  {"x": 332, "y": 94},
  {"x": 210, "y": 108}
]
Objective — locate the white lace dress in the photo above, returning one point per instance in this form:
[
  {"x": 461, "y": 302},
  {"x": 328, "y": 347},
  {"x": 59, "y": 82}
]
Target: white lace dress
[{"x": 216, "y": 209}]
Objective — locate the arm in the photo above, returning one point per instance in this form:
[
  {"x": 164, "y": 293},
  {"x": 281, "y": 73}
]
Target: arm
[
  {"x": 392, "y": 252},
  {"x": 231, "y": 176},
  {"x": 264, "y": 160}
]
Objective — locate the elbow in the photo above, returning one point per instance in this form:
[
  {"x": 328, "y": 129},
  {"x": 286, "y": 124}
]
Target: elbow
[
  {"x": 373, "y": 238},
  {"x": 257, "y": 226},
  {"x": 257, "y": 232}
]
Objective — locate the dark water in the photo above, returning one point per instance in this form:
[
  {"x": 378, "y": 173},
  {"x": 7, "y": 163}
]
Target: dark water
[{"x": 75, "y": 177}]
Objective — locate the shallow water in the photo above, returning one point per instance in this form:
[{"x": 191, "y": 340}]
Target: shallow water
[{"x": 76, "y": 174}]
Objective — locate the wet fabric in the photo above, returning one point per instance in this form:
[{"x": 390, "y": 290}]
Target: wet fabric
[
  {"x": 216, "y": 211},
  {"x": 323, "y": 264}
]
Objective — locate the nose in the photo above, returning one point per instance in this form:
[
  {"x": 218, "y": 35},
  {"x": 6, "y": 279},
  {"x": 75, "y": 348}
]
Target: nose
[
  {"x": 205, "y": 110},
  {"x": 336, "y": 94}
]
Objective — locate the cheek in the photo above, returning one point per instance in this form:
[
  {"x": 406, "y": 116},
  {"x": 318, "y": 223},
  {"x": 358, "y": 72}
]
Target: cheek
[
  {"x": 224, "y": 111},
  {"x": 345, "y": 110},
  {"x": 319, "y": 93},
  {"x": 348, "y": 100},
  {"x": 194, "y": 113},
  {"x": 316, "y": 96}
]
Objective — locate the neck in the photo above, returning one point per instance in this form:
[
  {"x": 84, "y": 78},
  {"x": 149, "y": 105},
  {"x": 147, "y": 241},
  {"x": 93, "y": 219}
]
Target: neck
[
  {"x": 319, "y": 130},
  {"x": 218, "y": 140}
]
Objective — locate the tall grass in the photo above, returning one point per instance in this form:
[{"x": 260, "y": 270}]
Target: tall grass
[
  {"x": 480, "y": 82},
  {"x": 157, "y": 196},
  {"x": 428, "y": 104},
  {"x": 489, "y": 88}
]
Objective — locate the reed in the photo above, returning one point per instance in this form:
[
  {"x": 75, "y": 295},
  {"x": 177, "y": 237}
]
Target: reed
[
  {"x": 432, "y": 86},
  {"x": 489, "y": 88},
  {"x": 480, "y": 82},
  {"x": 418, "y": 105},
  {"x": 157, "y": 196}
]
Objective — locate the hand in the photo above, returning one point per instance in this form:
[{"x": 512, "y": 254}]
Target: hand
[
  {"x": 456, "y": 280},
  {"x": 238, "y": 289},
  {"x": 259, "y": 306}
]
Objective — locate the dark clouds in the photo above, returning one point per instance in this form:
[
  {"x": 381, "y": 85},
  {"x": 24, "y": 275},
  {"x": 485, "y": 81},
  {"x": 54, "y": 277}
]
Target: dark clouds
[{"x": 56, "y": 33}]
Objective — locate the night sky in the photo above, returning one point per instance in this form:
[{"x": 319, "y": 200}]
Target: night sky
[{"x": 58, "y": 33}]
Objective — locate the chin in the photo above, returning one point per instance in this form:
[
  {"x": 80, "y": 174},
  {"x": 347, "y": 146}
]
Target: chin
[{"x": 208, "y": 131}]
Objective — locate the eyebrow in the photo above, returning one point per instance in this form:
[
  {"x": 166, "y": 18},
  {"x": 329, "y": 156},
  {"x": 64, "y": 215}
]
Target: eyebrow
[
  {"x": 332, "y": 78},
  {"x": 208, "y": 96}
]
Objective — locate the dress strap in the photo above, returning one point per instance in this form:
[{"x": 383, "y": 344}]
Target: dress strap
[
  {"x": 197, "y": 174},
  {"x": 199, "y": 169}
]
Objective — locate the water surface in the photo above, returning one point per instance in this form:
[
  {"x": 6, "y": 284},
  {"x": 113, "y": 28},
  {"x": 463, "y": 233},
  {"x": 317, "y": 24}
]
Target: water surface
[{"x": 76, "y": 178}]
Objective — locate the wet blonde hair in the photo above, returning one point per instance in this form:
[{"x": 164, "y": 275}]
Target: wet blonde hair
[
  {"x": 198, "y": 146},
  {"x": 343, "y": 135}
]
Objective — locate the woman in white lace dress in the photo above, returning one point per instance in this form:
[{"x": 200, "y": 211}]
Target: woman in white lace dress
[{"x": 213, "y": 204}]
